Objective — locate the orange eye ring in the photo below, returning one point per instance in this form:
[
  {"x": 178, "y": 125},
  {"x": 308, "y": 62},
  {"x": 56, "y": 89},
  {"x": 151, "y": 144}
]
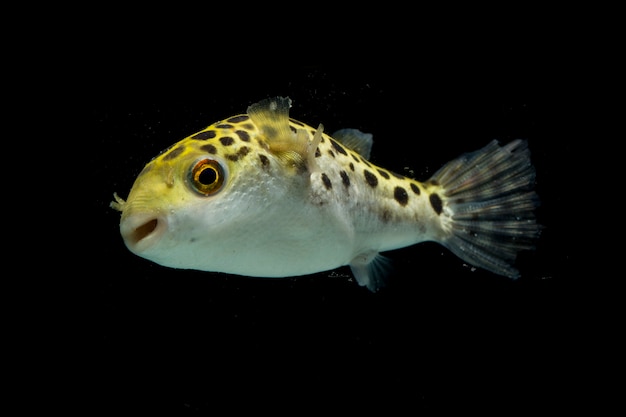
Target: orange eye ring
[{"x": 207, "y": 177}]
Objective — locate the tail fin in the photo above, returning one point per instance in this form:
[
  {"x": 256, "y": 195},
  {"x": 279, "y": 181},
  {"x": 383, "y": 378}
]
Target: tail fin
[{"x": 490, "y": 204}]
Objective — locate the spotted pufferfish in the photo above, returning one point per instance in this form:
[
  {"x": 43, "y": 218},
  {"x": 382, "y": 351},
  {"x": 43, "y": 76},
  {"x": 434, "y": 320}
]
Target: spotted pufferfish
[{"x": 263, "y": 195}]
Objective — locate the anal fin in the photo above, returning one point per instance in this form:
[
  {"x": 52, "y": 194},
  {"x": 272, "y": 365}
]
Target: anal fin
[{"x": 371, "y": 270}]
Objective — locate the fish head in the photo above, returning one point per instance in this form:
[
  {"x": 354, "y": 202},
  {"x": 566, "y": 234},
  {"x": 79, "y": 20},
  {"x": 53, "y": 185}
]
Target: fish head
[{"x": 216, "y": 192}]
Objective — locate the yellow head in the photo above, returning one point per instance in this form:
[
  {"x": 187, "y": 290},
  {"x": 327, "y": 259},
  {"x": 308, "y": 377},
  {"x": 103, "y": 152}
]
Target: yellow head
[{"x": 205, "y": 196}]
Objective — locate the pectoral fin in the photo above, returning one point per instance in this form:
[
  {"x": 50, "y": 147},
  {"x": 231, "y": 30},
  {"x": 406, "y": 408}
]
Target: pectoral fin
[{"x": 292, "y": 148}]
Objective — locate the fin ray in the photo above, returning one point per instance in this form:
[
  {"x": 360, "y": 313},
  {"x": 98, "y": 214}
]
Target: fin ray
[
  {"x": 356, "y": 140},
  {"x": 271, "y": 116},
  {"x": 490, "y": 203},
  {"x": 371, "y": 270}
]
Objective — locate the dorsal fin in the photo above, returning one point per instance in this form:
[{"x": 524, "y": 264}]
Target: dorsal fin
[
  {"x": 356, "y": 140},
  {"x": 271, "y": 116}
]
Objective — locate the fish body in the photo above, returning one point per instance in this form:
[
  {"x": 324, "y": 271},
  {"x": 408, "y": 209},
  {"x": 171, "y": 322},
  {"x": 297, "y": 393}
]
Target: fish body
[{"x": 261, "y": 194}]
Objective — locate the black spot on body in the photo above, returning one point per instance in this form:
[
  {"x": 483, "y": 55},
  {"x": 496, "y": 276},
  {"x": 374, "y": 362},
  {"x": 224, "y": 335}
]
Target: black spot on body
[
  {"x": 238, "y": 119},
  {"x": 209, "y": 148},
  {"x": 207, "y": 134},
  {"x": 265, "y": 161},
  {"x": 370, "y": 178},
  {"x": 338, "y": 147},
  {"x": 356, "y": 159},
  {"x": 326, "y": 181},
  {"x": 243, "y": 151},
  {"x": 415, "y": 189},
  {"x": 224, "y": 126},
  {"x": 173, "y": 153},
  {"x": 351, "y": 166},
  {"x": 365, "y": 162},
  {"x": 227, "y": 140},
  {"x": 243, "y": 135},
  {"x": 317, "y": 152},
  {"x": 383, "y": 174},
  {"x": 436, "y": 203},
  {"x": 401, "y": 196},
  {"x": 398, "y": 176},
  {"x": 345, "y": 179},
  {"x": 164, "y": 151},
  {"x": 331, "y": 153},
  {"x": 263, "y": 144}
]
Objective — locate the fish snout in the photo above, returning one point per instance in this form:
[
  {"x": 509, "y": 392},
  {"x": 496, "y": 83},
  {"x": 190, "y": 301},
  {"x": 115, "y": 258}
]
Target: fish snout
[{"x": 140, "y": 231}]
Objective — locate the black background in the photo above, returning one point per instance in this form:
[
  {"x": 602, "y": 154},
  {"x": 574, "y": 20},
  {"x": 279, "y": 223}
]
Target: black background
[{"x": 440, "y": 336}]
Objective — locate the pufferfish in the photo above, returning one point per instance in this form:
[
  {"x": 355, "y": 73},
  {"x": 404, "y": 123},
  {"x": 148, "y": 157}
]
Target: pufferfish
[{"x": 263, "y": 195}]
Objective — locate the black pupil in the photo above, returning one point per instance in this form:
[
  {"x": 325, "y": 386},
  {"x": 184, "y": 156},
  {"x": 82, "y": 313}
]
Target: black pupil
[{"x": 208, "y": 176}]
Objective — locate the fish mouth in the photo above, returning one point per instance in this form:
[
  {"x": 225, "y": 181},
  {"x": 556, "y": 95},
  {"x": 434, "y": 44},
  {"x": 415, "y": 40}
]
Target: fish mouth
[{"x": 140, "y": 231}]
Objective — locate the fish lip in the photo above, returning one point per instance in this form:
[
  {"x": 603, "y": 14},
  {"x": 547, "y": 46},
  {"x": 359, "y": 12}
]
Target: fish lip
[{"x": 141, "y": 231}]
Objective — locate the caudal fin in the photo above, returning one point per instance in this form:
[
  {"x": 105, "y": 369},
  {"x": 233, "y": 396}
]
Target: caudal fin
[{"x": 489, "y": 206}]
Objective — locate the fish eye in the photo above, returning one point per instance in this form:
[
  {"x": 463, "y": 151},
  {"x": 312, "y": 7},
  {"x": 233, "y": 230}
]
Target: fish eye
[{"x": 207, "y": 177}]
